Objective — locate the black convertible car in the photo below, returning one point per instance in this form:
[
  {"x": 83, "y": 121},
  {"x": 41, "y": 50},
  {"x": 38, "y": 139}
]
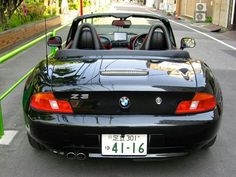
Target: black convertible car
[{"x": 120, "y": 88}]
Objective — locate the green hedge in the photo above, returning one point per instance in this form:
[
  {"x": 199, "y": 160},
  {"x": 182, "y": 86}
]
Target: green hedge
[
  {"x": 35, "y": 11},
  {"x": 76, "y": 6}
]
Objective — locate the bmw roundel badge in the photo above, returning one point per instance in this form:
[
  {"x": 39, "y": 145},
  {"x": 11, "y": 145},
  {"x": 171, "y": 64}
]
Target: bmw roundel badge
[
  {"x": 124, "y": 102},
  {"x": 158, "y": 100}
]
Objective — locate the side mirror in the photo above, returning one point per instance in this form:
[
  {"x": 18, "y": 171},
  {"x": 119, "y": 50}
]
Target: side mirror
[
  {"x": 55, "y": 41},
  {"x": 187, "y": 42}
]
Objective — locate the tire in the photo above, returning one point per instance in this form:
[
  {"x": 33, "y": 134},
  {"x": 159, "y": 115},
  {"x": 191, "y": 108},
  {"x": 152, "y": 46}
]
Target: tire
[
  {"x": 35, "y": 144},
  {"x": 211, "y": 143}
]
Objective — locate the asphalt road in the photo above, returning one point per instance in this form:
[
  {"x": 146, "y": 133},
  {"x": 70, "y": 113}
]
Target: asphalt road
[{"x": 20, "y": 160}]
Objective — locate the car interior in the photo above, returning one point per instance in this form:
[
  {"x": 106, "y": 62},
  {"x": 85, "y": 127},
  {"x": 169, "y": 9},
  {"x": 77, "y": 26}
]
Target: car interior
[
  {"x": 87, "y": 38},
  {"x": 121, "y": 35}
]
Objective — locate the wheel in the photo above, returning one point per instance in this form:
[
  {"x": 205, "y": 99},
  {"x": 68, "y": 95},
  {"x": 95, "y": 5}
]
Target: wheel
[
  {"x": 211, "y": 143},
  {"x": 34, "y": 143}
]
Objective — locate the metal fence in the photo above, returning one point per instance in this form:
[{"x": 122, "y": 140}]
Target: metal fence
[{"x": 10, "y": 55}]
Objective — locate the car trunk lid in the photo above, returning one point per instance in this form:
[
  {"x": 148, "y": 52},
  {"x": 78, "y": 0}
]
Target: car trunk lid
[{"x": 97, "y": 87}]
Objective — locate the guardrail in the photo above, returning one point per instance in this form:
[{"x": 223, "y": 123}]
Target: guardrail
[
  {"x": 13, "y": 53},
  {"x": 28, "y": 45},
  {"x": 7, "y": 93}
]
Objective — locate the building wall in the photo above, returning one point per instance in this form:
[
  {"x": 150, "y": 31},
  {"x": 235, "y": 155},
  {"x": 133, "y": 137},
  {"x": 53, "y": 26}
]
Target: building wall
[
  {"x": 187, "y": 7},
  {"x": 210, "y": 4},
  {"x": 220, "y": 14},
  {"x": 149, "y": 3},
  {"x": 166, "y": 5},
  {"x": 221, "y": 11},
  {"x": 232, "y": 17},
  {"x": 157, "y": 4}
]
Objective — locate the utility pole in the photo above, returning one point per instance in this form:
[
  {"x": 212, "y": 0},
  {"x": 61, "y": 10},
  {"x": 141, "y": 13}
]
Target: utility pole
[
  {"x": 178, "y": 2},
  {"x": 81, "y": 7}
]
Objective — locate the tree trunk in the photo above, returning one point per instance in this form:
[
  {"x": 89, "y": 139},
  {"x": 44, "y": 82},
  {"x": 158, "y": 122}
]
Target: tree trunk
[
  {"x": 1, "y": 14},
  {"x": 46, "y": 3},
  {"x": 3, "y": 20},
  {"x": 7, "y": 9}
]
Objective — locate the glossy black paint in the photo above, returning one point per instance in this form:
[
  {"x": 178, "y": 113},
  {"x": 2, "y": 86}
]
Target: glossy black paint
[
  {"x": 166, "y": 133},
  {"x": 102, "y": 114},
  {"x": 172, "y": 78}
]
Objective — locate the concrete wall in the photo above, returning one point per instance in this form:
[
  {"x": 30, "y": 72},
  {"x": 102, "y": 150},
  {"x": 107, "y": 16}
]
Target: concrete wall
[
  {"x": 149, "y": 3},
  {"x": 171, "y": 5},
  {"x": 217, "y": 9},
  {"x": 157, "y": 3},
  {"x": 15, "y": 36},
  {"x": 209, "y": 6},
  {"x": 187, "y": 7},
  {"x": 220, "y": 14},
  {"x": 232, "y": 17},
  {"x": 166, "y": 5}
]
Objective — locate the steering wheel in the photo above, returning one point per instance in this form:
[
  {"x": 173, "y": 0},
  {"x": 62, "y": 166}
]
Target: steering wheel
[
  {"x": 138, "y": 41},
  {"x": 106, "y": 42}
]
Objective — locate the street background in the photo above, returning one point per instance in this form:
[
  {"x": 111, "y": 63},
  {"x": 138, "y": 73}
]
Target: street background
[{"x": 20, "y": 160}]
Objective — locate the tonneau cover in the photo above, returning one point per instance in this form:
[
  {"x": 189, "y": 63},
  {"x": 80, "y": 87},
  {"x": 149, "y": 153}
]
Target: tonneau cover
[{"x": 129, "y": 54}]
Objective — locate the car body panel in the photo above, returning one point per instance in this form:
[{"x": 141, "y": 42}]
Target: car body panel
[
  {"x": 94, "y": 81},
  {"x": 160, "y": 74}
]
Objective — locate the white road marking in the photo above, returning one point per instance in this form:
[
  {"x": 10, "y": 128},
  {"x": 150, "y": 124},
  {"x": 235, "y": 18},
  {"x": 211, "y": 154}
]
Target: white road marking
[
  {"x": 8, "y": 137},
  {"x": 207, "y": 35}
]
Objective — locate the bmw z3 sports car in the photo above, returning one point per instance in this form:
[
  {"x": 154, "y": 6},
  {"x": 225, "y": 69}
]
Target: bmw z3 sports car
[{"x": 120, "y": 88}]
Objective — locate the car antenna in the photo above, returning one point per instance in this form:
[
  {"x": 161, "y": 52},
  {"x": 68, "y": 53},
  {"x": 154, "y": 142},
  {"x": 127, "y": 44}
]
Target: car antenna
[{"x": 46, "y": 40}]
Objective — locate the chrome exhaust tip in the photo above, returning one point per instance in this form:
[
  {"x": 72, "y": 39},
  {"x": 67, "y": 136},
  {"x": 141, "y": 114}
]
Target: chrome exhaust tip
[
  {"x": 71, "y": 155},
  {"x": 81, "y": 156}
]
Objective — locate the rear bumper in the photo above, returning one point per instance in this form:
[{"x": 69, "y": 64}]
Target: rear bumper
[
  {"x": 168, "y": 136},
  {"x": 148, "y": 156}
]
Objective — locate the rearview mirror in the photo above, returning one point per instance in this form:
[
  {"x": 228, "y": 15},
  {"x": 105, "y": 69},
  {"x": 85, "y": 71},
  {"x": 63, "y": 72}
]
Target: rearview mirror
[
  {"x": 121, "y": 23},
  {"x": 55, "y": 41},
  {"x": 187, "y": 42}
]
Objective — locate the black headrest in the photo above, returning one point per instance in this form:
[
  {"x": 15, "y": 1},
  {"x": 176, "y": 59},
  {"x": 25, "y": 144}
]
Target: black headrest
[
  {"x": 86, "y": 38},
  {"x": 157, "y": 39}
]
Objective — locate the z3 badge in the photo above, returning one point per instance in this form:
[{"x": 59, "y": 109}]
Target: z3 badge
[{"x": 83, "y": 96}]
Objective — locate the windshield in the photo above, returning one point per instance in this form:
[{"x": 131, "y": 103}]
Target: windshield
[
  {"x": 125, "y": 31},
  {"x": 103, "y": 25}
]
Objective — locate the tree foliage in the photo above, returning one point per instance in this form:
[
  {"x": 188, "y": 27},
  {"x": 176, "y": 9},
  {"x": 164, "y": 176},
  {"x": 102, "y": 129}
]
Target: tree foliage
[{"x": 7, "y": 9}]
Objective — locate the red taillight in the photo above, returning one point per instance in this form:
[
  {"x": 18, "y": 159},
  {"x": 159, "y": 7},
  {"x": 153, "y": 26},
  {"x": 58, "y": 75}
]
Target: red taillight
[
  {"x": 201, "y": 102},
  {"x": 47, "y": 102}
]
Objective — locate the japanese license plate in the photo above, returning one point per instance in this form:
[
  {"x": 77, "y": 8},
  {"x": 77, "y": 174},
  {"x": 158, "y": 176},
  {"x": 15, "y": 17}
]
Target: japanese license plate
[{"x": 128, "y": 144}]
